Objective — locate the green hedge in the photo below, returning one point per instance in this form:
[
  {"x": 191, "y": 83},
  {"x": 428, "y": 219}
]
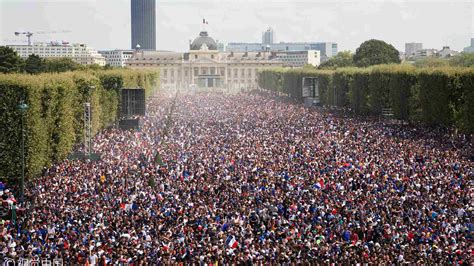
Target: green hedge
[
  {"x": 435, "y": 96},
  {"x": 325, "y": 85},
  {"x": 358, "y": 92},
  {"x": 54, "y": 119},
  {"x": 271, "y": 79},
  {"x": 401, "y": 83},
  {"x": 464, "y": 100},
  {"x": 288, "y": 81}
]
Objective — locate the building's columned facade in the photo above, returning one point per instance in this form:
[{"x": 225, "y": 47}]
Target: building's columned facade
[{"x": 205, "y": 66}]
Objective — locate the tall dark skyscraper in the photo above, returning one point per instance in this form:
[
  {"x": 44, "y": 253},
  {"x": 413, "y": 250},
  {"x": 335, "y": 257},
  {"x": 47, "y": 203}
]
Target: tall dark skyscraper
[{"x": 144, "y": 24}]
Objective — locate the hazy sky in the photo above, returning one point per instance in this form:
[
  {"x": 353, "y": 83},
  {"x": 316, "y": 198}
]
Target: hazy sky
[{"x": 105, "y": 24}]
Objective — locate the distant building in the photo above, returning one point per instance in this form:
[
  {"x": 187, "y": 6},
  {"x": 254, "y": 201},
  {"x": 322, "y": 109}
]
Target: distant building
[
  {"x": 143, "y": 15},
  {"x": 268, "y": 37},
  {"x": 328, "y": 49},
  {"x": 470, "y": 49},
  {"x": 79, "y": 52},
  {"x": 220, "y": 46},
  {"x": 401, "y": 55},
  {"x": 117, "y": 58},
  {"x": 299, "y": 58},
  {"x": 411, "y": 48},
  {"x": 423, "y": 53},
  {"x": 446, "y": 52},
  {"x": 205, "y": 66},
  {"x": 244, "y": 47}
]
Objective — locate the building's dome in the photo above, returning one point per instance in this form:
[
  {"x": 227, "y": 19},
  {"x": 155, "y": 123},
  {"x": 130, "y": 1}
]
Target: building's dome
[{"x": 203, "y": 39}]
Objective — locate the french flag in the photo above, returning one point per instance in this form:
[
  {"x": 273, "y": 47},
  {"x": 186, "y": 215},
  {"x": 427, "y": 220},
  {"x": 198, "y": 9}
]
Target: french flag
[
  {"x": 165, "y": 247},
  {"x": 319, "y": 184},
  {"x": 232, "y": 242}
]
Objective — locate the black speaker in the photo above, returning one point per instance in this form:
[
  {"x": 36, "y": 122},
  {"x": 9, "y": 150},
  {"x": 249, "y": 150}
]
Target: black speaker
[
  {"x": 127, "y": 124},
  {"x": 132, "y": 102}
]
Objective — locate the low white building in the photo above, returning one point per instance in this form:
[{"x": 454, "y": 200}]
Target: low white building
[
  {"x": 446, "y": 52},
  {"x": 299, "y": 58},
  {"x": 117, "y": 58},
  {"x": 423, "y": 53},
  {"x": 79, "y": 52}
]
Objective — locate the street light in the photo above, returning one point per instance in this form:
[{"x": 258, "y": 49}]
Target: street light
[{"x": 22, "y": 107}]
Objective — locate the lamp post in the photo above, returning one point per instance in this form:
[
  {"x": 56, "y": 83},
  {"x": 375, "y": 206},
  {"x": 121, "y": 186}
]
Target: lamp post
[{"x": 22, "y": 107}]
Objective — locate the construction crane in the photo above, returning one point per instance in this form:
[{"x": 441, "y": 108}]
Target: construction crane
[
  {"x": 8, "y": 41},
  {"x": 29, "y": 33}
]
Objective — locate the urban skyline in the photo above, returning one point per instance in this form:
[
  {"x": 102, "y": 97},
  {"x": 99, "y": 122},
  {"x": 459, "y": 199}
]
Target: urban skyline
[{"x": 346, "y": 23}]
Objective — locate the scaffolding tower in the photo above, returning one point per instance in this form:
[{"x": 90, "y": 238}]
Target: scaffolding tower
[{"x": 87, "y": 130}]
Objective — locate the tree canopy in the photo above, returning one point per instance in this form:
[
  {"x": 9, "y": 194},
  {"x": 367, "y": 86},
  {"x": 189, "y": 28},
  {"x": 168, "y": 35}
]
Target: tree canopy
[
  {"x": 342, "y": 59},
  {"x": 375, "y": 52},
  {"x": 35, "y": 64},
  {"x": 10, "y": 61},
  {"x": 62, "y": 64},
  {"x": 431, "y": 62},
  {"x": 462, "y": 60}
]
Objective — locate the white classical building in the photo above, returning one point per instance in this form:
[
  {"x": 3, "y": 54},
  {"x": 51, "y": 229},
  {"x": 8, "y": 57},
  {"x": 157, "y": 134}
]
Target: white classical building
[
  {"x": 79, "y": 52},
  {"x": 205, "y": 66},
  {"x": 117, "y": 58}
]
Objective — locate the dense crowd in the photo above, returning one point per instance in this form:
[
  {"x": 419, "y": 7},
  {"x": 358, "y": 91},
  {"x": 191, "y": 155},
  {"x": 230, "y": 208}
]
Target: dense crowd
[{"x": 251, "y": 179}]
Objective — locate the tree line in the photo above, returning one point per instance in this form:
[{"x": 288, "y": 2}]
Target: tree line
[
  {"x": 435, "y": 96},
  {"x": 11, "y": 62},
  {"x": 54, "y": 120},
  {"x": 376, "y": 52}
]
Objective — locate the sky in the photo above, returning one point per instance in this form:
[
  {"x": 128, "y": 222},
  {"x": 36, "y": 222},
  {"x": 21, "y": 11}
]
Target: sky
[{"x": 105, "y": 24}]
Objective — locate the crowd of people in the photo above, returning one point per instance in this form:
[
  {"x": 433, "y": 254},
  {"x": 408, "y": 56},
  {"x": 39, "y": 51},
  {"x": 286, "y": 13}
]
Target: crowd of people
[{"x": 215, "y": 178}]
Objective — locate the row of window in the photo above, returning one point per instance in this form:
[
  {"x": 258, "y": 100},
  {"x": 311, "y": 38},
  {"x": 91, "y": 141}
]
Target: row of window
[
  {"x": 294, "y": 56},
  {"x": 56, "y": 53},
  {"x": 115, "y": 60},
  {"x": 115, "y": 56},
  {"x": 166, "y": 65},
  {"x": 51, "y": 49},
  {"x": 294, "y": 59},
  {"x": 172, "y": 81},
  {"x": 157, "y": 59},
  {"x": 212, "y": 71}
]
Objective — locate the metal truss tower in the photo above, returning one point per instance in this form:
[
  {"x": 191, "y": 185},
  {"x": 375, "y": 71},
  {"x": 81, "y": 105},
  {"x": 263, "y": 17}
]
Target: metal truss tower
[{"x": 87, "y": 130}]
